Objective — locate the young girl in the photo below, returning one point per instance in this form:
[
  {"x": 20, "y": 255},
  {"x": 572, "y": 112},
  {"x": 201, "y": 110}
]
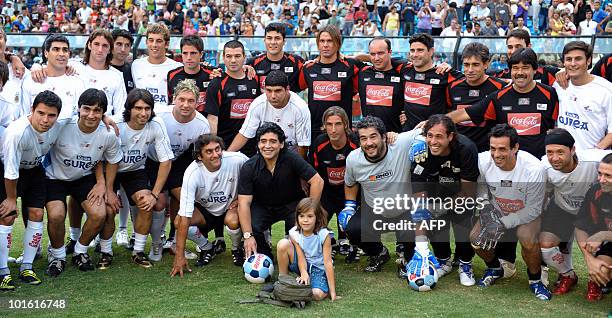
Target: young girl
[{"x": 307, "y": 252}]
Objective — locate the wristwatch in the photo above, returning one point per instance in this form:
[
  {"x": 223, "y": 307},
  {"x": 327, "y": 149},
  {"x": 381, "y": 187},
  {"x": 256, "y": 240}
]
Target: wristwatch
[{"x": 247, "y": 235}]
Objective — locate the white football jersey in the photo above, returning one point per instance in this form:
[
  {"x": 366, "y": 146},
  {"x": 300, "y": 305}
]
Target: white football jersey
[
  {"x": 213, "y": 190},
  {"x": 110, "y": 81},
  {"x": 8, "y": 112},
  {"x": 75, "y": 154},
  {"x": 586, "y": 111},
  {"x": 294, "y": 119},
  {"x": 68, "y": 88},
  {"x": 136, "y": 143},
  {"x": 24, "y": 148},
  {"x": 519, "y": 193},
  {"x": 385, "y": 178},
  {"x": 181, "y": 134},
  {"x": 11, "y": 92},
  {"x": 154, "y": 78},
  {"x": 569, "y": 188}
]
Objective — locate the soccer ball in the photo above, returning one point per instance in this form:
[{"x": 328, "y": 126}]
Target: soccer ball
[
  {"x": 258, "y": 268},
  {"x": 426, "y": 281}
]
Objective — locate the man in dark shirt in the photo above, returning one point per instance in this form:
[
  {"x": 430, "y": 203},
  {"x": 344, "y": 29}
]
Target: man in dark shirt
[
  {"x": 328, "y": 155},
  {"x": 424, "y": 89},
  {"x": 275, "y": 59},
  {"x": 331, "y": 81},
  {"x": 528, "y": 106},
  {"x": 381, "y": 87},
  {"x": 192, "y": 49},
  {"x": 594, "y": 231},
  {"x": 448, "y": 169},
  {"x": 229, "y": 97},
  {"x": 269, "y": 188},
  {"x": 475, "y": 86}
]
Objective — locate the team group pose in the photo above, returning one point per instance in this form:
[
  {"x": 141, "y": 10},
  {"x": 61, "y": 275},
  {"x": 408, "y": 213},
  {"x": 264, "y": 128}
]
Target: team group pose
[{"x": 210, "y": 151}]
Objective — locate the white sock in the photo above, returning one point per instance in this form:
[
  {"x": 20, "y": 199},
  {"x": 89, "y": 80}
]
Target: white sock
[
  {"x": 157, "y": 226},
  {"x": 80, "y": 248},
  {"x": 31, "y": 240},
  {"x": 194, "y": 235},
  {"x": 124, "y": 212},
  {"x": 57, "y": 253},
  {"x": 555, "y": 259},
  {"x": 5, "y": 246},
  {"x": 106, "y": 246},
  {"x": 139, "y": 242},
  {"x": 236, "y": 236},
  {"x": 75, "y": 233}
]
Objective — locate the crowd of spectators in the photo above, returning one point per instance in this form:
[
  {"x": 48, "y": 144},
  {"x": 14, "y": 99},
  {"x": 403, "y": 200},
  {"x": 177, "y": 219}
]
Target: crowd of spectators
[{"x": 304, "y": 18}]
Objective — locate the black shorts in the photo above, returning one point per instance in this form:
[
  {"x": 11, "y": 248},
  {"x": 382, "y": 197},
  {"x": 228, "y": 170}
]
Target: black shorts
[
  {"x": 175, "y": 177},
  {"x": 558, "y": 222},
  {"x": 132, "y": 182},
  {"x": 58, "y": 190},
  {"x": 605, "y": 249},
  {"x": 212, "y": 221},
  {"x": 31, "y": 187}
]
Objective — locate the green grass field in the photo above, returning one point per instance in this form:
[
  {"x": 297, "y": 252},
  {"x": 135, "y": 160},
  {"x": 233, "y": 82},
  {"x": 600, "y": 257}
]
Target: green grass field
[{"x": 126, "y": 290}]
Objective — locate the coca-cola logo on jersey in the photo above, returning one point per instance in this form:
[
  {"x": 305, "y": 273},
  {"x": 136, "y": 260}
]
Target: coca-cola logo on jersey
[
  {"x": 327, "y": 91},
  {"x": 526, "y": 124},
  {"x": 417, "y": 93},
  {"x": 201, "y": 102},
  {"x": 379, "y": 95},
  {"x": 239, "y": 108},
  {"x": 509, "y": 205},
  {"x": 335, "y": 175}
]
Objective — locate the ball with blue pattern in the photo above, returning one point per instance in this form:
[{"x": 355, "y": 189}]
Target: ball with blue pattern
[
  {"x": 258, "y": 268},
  {"x": 426, "y": 280}
]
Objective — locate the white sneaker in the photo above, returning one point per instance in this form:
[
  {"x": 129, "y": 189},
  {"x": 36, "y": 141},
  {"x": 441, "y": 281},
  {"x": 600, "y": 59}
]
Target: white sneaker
[
  {"x": 466, "y": 275},
  {"x": 122, "y": 237},
  {"x": 190, "y": 255},
  {"x": 155, "y": 254},
  {"x": 445, "y": 267},
  {"x": 168, "y": 244},
  {"x": 509, "y": 268},
  {"x": 544, "y": 276}
]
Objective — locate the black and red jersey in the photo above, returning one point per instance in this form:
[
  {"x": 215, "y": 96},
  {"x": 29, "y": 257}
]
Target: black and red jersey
[
  {"x": 290, "y": 64},
  {"x": 425, "y": 93},
  {"x": 441, "y": 175},
  {"x": 229, "y": 99},
  {"x": 330, "y": 163},
  {"x": 202, "y": 78},
  {"x": 531, "y": 114},
  {"x": 595, "y": 214},
  {"x": 462, "y": 95},
  {"x": 544, "y": 75},
  {"x": 603, "y": 67},
  {"x": 329, "y": 85},
  {"x": 381, "y": 95}
]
